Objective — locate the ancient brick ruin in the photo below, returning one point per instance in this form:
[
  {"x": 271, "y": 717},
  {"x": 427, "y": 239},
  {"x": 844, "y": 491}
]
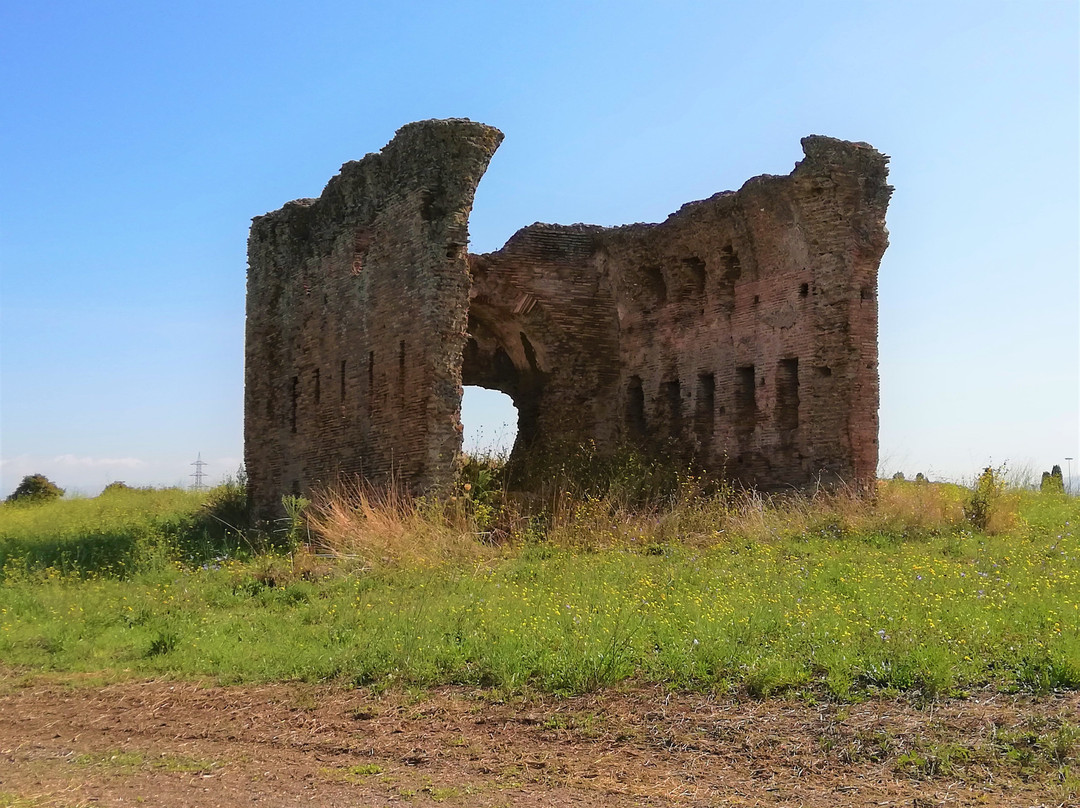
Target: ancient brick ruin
[{"x": 740, "y": 333}]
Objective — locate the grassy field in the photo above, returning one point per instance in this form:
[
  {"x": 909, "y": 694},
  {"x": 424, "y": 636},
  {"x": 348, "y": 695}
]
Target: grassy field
[{"x": 830, "y": 596}]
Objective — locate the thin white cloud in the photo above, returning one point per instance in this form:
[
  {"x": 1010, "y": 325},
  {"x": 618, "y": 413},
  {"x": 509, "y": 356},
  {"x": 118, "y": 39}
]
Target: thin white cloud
[{"x": 71, "y": 460}]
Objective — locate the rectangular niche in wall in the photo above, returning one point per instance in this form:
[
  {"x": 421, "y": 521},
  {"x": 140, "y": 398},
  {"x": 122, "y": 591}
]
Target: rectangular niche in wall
[
  {"x": 787, "y": 395},
  {"x": 371, "y": 380},
  {"x": 705, "y": 407},
  {"x": 745, "y": 400},
  {"x": 671, "y": 396},
  {"x": 295, "y": 395},
  {"x": 635, "y": 408}
]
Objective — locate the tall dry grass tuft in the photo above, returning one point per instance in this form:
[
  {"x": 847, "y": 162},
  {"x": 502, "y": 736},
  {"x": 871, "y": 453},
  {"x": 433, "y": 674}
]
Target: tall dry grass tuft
[
  {"x": 896, "y": 508},
  {"x": 918, "y": 507},
  {"x": 386, "y": 527}
]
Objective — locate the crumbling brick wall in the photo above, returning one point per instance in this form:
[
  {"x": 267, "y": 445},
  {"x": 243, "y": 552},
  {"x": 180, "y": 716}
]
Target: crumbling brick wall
[
  {"x": 356, "y": 313},
  {"x": 741, "y": 332}
]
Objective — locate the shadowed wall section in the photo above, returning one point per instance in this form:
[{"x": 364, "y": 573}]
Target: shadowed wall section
[{"x": 740, "y": 333}]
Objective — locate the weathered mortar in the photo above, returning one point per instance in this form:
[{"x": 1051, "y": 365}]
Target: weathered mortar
[{"x": 741, "y": 332}]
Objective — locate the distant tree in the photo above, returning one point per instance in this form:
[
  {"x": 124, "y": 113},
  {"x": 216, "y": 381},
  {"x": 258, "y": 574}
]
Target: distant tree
[
  {"x": 1053, "y": 481},
  {"x": 898, "y": 476},
  {"x": 114, "y": 487},
  {"x": 36, "y": 488},
  {"x": 921, "y": 478}
]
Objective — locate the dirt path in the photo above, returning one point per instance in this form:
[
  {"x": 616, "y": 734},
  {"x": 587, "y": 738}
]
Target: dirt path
[{"x": 65, "y": 742}]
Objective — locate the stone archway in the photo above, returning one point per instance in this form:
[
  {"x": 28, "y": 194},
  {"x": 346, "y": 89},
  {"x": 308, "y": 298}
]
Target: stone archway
[{"x": 499, "y": 355}]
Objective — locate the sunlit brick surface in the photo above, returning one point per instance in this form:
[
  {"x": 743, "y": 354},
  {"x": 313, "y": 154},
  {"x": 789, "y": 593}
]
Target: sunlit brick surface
[{"x": 741, "y": 333}]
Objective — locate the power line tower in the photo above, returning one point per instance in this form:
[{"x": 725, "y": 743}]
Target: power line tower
[{"x": 199, "y": 473}]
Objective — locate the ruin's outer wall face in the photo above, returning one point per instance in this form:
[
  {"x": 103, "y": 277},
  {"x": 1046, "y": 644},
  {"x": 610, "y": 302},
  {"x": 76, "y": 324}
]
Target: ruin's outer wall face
[
  {"x": 741, "y": 333},
  {"x": 748, "y": 322},
  {"x": 356, "y": 318}
]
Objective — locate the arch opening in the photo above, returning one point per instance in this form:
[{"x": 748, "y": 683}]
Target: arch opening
[{"x": 490, "y": 422}]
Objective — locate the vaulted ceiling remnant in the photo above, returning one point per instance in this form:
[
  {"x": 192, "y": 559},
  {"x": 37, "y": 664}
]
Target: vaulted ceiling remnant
[{"x": 741, "y": 332}]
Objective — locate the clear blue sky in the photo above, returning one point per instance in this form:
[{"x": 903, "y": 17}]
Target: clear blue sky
[{"x": 139, "y": 138}]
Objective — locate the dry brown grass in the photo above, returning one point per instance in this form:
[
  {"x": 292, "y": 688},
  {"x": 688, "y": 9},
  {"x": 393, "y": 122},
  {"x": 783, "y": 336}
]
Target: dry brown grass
[
  {"x": 387, "y": 527},
  {"x": 896, "y": 509}
]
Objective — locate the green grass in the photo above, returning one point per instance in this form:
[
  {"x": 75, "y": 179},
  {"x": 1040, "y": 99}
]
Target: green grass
[
  {"x": 805, "y": 604},
  {"x": 1038, "y": 745},
  {"x": 118, "y": 533},
  {"x": 123, "y": 762}
]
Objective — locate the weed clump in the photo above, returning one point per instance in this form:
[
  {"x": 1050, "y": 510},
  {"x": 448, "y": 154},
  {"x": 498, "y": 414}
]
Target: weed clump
[{"x": 991, "y": 508}]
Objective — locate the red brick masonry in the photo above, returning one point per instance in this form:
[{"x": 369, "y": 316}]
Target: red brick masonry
[{"x": 741, "y": 331}]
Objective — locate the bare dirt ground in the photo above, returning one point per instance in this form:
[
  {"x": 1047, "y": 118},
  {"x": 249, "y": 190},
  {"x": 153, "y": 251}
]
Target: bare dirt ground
[{"x": 66, "y": 741}]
